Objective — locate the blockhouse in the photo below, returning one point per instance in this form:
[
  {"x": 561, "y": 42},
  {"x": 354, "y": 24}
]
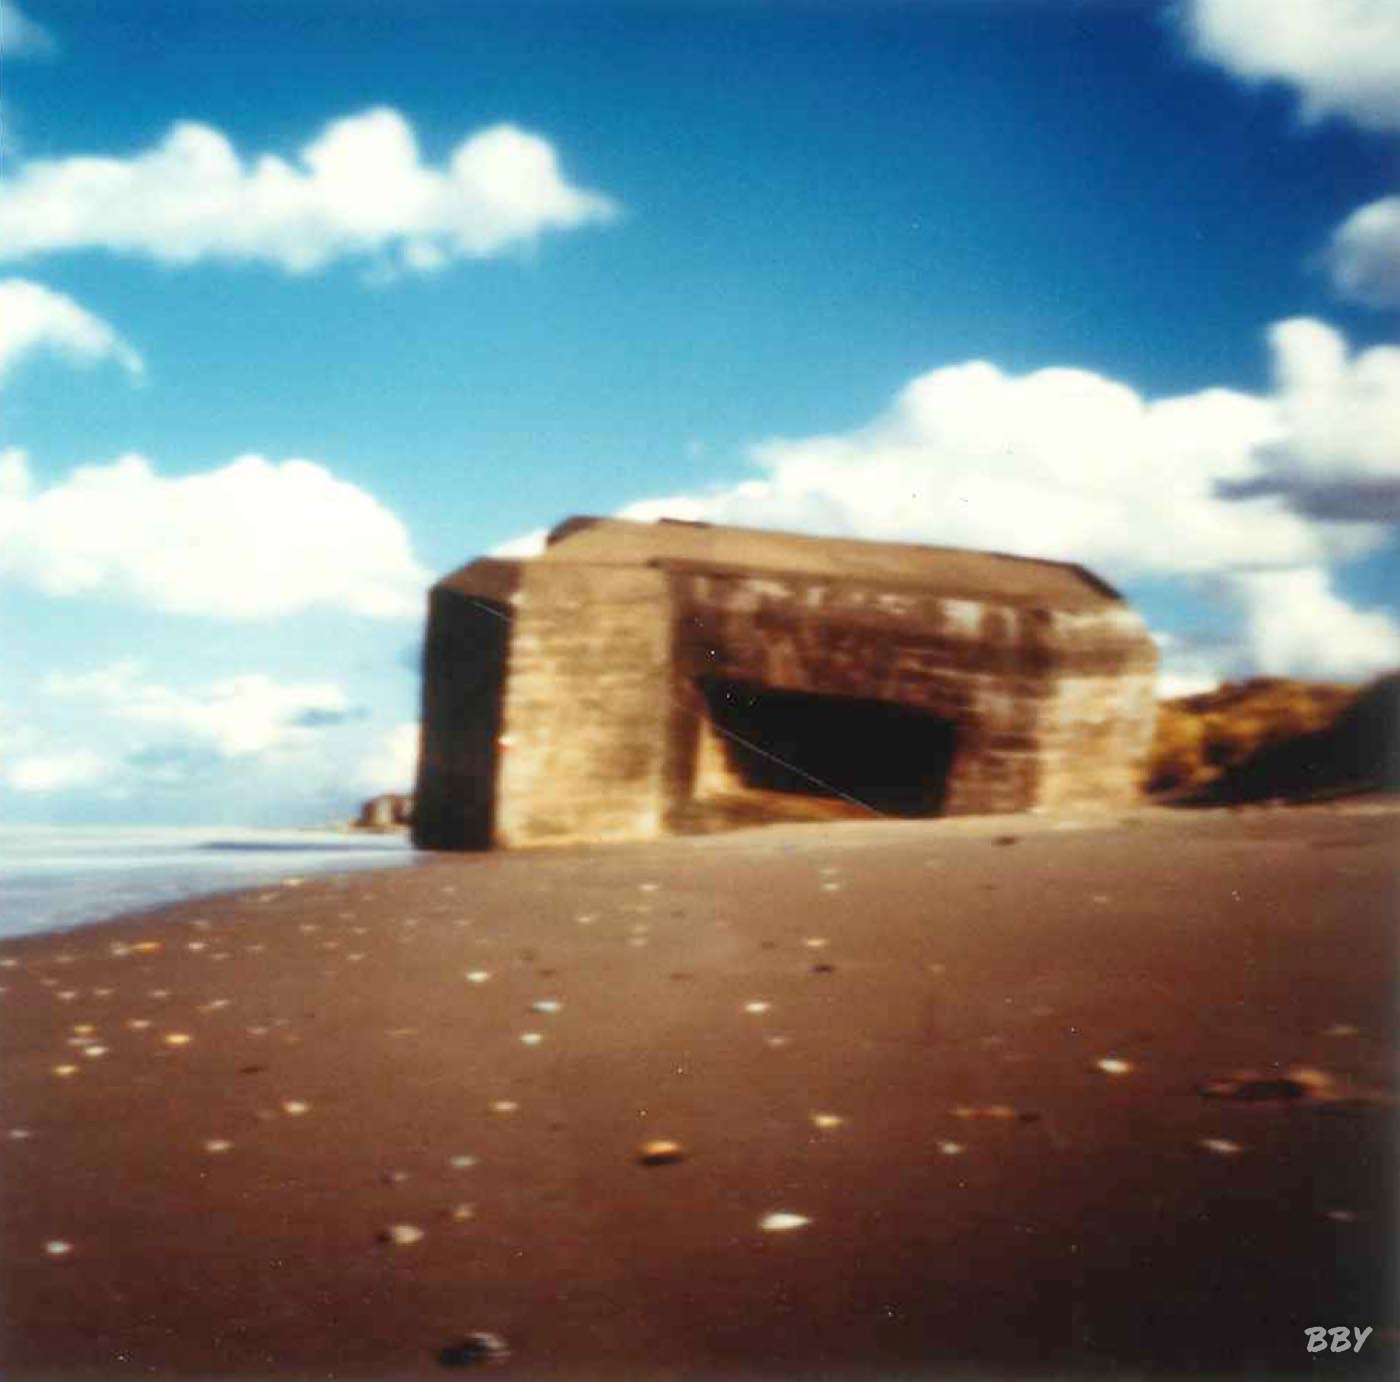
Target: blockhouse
[{"x": 640, "y": 679}]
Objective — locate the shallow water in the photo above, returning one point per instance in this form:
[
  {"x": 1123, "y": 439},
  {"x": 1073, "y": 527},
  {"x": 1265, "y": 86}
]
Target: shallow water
[{"x": 55, "y": 877}]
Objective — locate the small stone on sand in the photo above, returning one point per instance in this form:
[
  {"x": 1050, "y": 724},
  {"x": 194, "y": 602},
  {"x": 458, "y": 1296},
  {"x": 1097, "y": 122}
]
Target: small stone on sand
[
  {"x": 474, "y": 1349},
  {"x": 1221, "y": 1146},
  {"x": 546, "y": 1005},
  {"x": 780, "y": 1221},
  {"x": 1114, "y": 1065},
  {"x": 660, "y": 1152},
  {"x": 58, "y": 1247},
  {"x": 952, "y": 1148},
  {"x": 217, "y": 1144},
  {"x": 462, "y": 1163},
  {"x": 294, "y": 1108},
  {"x": 757, "y": 1007},
  {"x": 827, "y": 1120},
  {"x": 505, "y": 1106},
  {"x": 177, "y": 1038},
  {"x": 478, "y": 976},
  {"x": 531, "y": 1038},
  {"x": 64, "y": 1071},
  {"x": 401, "y": 1235}
]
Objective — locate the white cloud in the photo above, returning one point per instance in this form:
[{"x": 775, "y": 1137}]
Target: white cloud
[
  {"x": 249, "y": 716},
  {"x": 358, "y": 189},
  {"x": 1337, "y": 454},
  {"x": 1342, "y": 56},
  {"x": 34, "y": 319},
  {"x": 1364, "y": 255},
  {"x": 20, "y": 36},
  {"x": 1067, "y": 464},
  {"x": 55, "y": 772},
  {"x": 253, "y": 538},
  {"x": 392, "y": 764},
  {"x": 1298, "y": 626}
]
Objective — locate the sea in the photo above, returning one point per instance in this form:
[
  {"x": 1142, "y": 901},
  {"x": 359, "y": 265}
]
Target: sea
[{"x": 56, "y": 877}]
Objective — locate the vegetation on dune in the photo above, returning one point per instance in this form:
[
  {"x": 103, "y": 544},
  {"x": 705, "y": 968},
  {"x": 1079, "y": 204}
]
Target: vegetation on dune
[{"x": 1272, "y": 737}]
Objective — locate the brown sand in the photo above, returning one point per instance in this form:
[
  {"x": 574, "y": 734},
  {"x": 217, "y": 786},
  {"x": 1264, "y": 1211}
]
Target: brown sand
[{"x": 1081, "y": 1222}]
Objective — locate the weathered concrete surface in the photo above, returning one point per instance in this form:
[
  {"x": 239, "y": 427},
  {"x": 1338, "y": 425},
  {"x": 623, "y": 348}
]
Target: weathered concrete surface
[{"x": 639, "y": 679}]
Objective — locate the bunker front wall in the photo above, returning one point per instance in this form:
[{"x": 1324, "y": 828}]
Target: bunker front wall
[{"x": 1051, "y": 707}]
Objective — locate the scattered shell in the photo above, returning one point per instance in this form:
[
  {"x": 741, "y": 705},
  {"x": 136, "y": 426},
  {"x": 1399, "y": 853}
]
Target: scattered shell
[
  {"x": 546, "y": 1005},
  {"x": 462, "y": 1163},
  {"x": 952, "y": 1148},
  {"x": 159, "y": 993},
  {"x": 294, "y": 1108},
  {"x": 478, "y": 976},
  {"x": 473, "y": 1349},
  {"x": 93, "y": 1052},
  {"x": 816, "y": 942},
  {"x": 660, "y": 1152},
  {"x": 1221, "y": 1146},
  {"x": 831, "y": 887},
  {"x": 63, "y": 1071},
  {"x": 778, "y": 1040},
  {"x": 177, "y": 1038},
  {"x": 217, "y": 1144},
  {"x": 66, "y": 995},
  {"x": 19, "y": 1134},
  {"x": 586, "y": 919},
  {"x": 1114, "y": 1065},
  {"x": 195, "y": 945},
  {"x": 401, "y": 1235},
  {"x": 505, "y": 1106},
  {"x": 83, "y": 1028},
  {"x": 827, "y": 1120},
  {"x": 780, "y": 1221},
  {"x": 757, "y": 1006},
  {"x": 531, "y": 1038},
  {"x": 58, "y": 1247}
]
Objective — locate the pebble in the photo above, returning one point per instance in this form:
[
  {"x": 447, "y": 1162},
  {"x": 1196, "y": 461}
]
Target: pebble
[
  {"x": 505, "y": 1106},
  {"x": 93, "y": 1052},
  {"x": 177, "y": 1038},
  {"x": 757, "y": 1006},
  {"x": 660, "y": 1152},
  {"x": 460, "y": 1213},
  {"x": 462, "y": 1163},
  {"x": 19, "y": 1134},
  {"x": 474, "y": 1349},
  {"x": 478, "y": 976},
  {"x": 63, "y": 1071},
  {"x": 531, "y": 1038},
  {"x": 294, "y": 1108},
  {"x": 780, "y": 1221},
  {"x": 1221, "y": 1146},
  {"x": 827, "y": 1120},
  {"x": 952, "y": 1148},
  {"x": 1114, "y": 1065},
  {"x": 58, "y": 1247},
  {"x": 217, "y": 1144},
  {"x": 546, "y": 1005},
  {"x": 401, "y": 1235}
]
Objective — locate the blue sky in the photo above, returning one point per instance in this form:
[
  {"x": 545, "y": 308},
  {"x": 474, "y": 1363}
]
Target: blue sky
[{"x": 303, "y": 304}]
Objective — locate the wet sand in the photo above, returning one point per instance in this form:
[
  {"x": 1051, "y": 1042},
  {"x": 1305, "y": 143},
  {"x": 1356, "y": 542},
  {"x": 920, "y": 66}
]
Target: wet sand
[{"x": 892, "y": 1033}]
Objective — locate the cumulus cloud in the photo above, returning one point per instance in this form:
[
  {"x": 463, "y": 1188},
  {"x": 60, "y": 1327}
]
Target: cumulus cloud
[
  {"x": 1341, "y": 56},
  {"x": 1068, "y": 464},
  {"x": 392, "y": 764},
  {"x": 20, "y": 36},
  {"x": 55, "y": 772},
  {"x": 1297, "y": 625},
  {"x": 250, "y": 539},
  {"x": 35, "y": 319},
  {"x": 359, "y": 189},
  {"x": 247, "y": 716},
  {"x": 1337, "y": 452},
  {"x": 1364, "y": 256}
]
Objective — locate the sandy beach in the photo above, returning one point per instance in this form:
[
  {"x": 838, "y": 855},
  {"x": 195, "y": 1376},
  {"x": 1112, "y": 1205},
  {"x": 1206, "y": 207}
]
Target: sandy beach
[{"x": 992, "y": 1077}]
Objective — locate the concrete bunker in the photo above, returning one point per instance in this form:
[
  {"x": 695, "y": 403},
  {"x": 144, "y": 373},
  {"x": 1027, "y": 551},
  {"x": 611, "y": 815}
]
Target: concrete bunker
[{"x": 637, "y": 679}]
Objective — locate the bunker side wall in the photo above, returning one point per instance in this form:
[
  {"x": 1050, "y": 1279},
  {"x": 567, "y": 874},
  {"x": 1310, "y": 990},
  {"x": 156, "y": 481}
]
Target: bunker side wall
[
  {"x": 465, "y": 655},
  {"x": 587, "y": 707}
]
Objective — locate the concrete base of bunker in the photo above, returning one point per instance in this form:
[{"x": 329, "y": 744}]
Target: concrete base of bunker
[{"x": 892, "y": 759}]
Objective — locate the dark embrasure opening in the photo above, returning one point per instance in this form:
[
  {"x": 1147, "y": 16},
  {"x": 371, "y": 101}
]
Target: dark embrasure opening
[{"x": 892, "y": 758}]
